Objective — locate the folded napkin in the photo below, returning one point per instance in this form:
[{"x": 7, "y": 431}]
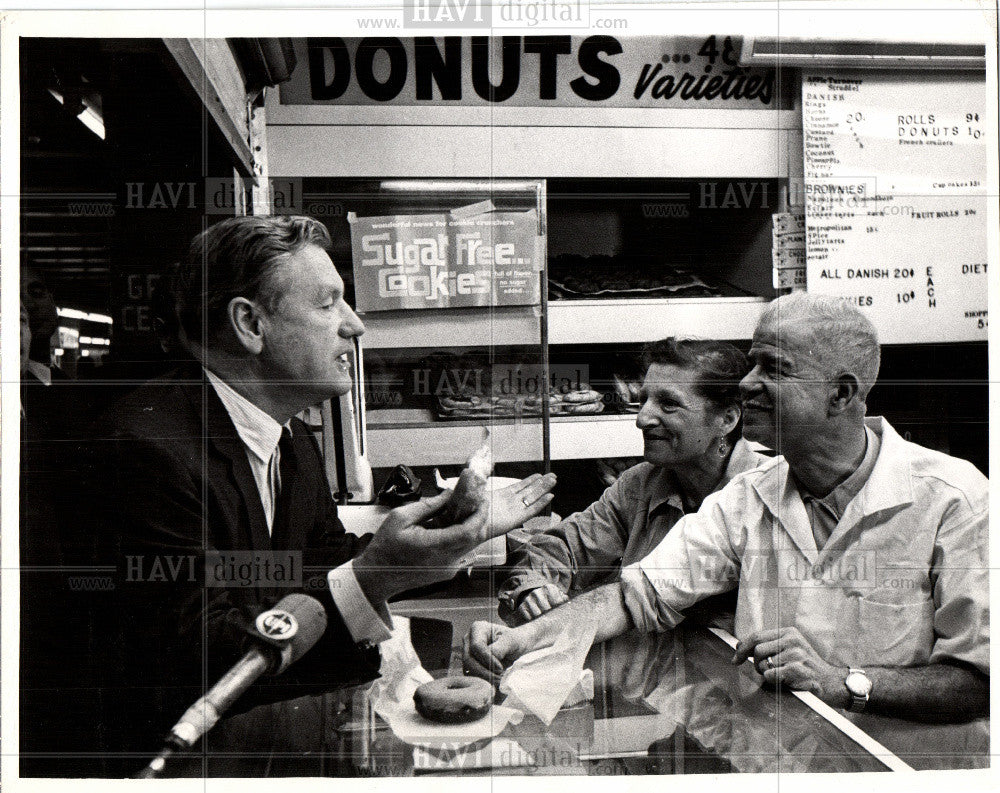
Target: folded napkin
[{"x": 545, "y": 680}]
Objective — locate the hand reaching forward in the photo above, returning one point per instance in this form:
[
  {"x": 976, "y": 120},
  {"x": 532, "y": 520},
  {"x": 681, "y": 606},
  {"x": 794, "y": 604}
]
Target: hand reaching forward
[{"x": 513, "y": 505}]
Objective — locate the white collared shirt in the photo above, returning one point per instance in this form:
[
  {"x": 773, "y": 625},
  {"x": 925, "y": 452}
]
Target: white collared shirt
[
  {"x": 260, "y": 434},
  {"x": 41, "y": 371},
  {"x": 902, "y": 581}
]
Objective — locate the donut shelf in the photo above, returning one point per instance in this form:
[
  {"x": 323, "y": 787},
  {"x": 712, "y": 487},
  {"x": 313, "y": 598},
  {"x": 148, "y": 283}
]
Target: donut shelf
[{"x": 572, "y": 437}]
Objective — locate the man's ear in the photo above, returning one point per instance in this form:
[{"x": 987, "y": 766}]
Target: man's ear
[
  {"x": 245, "y": 318},
  {"x": 845, "y": 390}
]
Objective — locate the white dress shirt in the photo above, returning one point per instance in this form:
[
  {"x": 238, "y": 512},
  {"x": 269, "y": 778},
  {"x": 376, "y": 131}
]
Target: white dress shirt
[
  {"x": 41, "y": 371},
  {"x": 260, "y": 434},
  {"x": 903, "y": 580}
]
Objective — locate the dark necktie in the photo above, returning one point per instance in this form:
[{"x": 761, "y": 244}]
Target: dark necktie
[{"x": 286, "y": 475}]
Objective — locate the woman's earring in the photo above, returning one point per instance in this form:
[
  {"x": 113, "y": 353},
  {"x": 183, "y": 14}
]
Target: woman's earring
[{"x": 723, "y": 448}]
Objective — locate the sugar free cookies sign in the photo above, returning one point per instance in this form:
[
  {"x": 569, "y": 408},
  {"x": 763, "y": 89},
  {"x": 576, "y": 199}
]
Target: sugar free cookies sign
[{"x": 442, "y": 261}]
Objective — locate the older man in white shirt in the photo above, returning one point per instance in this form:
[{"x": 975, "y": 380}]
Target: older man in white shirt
[{"x": 860, "y": 558}]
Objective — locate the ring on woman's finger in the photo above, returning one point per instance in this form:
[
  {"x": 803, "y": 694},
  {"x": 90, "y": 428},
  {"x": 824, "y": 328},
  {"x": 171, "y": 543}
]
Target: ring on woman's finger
[
  {"x": 525, "y": 500},
  {"x": 770, "y": 662}
]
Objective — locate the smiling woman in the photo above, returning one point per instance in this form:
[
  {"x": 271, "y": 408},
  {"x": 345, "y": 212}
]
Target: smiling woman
[
  {"x": 690, "y": 420},
  {"x": 690, "y": 414}
]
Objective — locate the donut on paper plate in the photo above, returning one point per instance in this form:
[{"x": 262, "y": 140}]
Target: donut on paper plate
[{"x": 454, "y": 700}]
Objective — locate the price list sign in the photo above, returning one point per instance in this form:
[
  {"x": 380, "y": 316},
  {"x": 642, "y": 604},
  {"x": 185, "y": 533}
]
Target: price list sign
[{"x": 895, "y": 196}]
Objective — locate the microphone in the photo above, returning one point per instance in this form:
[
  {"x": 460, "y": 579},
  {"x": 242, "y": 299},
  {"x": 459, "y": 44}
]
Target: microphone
[{"x": 292, "y": 627}]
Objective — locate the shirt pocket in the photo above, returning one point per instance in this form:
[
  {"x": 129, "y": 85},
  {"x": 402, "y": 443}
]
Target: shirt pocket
[{"x": 894, "y": 633}]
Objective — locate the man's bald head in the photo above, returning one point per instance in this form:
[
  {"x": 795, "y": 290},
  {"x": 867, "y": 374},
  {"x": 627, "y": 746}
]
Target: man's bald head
[{"x": 843, "y": 339}]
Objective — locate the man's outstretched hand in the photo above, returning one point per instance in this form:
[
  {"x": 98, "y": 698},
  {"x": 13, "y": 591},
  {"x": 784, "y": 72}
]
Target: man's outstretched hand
[
  {"x": 404, "y": 555},
  {"x": 510, "y": 507}
]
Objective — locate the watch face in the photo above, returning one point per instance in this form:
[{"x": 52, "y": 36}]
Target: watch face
[{"x": 858, "y": 684}]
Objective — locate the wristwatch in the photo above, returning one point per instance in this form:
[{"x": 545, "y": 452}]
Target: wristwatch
[{"x": 860, "y": 687}]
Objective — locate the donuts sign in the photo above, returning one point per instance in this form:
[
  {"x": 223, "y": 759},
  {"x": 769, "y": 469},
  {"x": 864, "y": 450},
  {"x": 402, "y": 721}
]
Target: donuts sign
[
  {"x": 443, "y": 261},
  {"x": 531, "y": 71}
]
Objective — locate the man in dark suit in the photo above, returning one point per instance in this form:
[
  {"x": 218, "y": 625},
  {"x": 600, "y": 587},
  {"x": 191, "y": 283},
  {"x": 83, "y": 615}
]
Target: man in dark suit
[
  {"x": 209, "y": 484},
  {"x": 54, "y": 696}
]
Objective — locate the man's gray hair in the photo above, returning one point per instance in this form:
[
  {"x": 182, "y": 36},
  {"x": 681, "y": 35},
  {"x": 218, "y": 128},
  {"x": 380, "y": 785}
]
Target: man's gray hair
[
  {"x": 846, "y": 338},
  {"x": 237, "y": 257}
]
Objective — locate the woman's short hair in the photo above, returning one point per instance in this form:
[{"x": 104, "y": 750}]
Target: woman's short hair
[
  {"x": 717, "y": 365},
  {"x": 237, "y": 258}
]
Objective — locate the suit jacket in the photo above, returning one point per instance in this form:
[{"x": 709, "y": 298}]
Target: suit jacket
[
  {"x": 174, "y": 488},
  {"x": 55, "y": 696}
]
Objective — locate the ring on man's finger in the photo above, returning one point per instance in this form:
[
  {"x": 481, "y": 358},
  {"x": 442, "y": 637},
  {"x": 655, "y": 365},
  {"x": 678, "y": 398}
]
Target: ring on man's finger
[{"x": 770, "y": 662}]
